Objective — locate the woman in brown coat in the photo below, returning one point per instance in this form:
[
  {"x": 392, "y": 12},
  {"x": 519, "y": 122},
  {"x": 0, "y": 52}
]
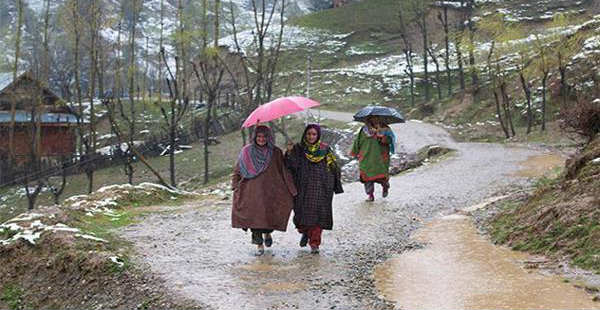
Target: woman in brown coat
[{"x": 263, "y": 189}]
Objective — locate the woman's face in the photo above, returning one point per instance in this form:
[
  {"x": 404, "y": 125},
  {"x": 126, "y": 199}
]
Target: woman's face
[
  {"x": 311, "y": 135},
  {"x": 261, "y": 139}
]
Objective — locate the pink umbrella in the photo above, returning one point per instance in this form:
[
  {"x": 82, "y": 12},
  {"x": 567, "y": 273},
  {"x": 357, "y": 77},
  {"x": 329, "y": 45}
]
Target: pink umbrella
[{"x": 278, "y": 108}]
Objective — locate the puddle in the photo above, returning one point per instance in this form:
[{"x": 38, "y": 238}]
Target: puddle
[
  {"x": 284, "y": 286},
  {"x": 459, "y": 269},
  {"x": 266, "y": 267},
  {"x": 539, "y": 165}
]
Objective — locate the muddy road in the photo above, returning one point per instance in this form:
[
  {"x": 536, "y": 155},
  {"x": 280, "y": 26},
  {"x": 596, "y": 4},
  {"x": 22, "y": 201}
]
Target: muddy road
[{"x": 201, "y": 257}]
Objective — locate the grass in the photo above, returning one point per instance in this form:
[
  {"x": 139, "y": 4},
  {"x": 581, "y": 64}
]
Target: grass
[
  {"x": 374, "y": 16},
  {"x": 12, "y": 296},
  {"x": 189, "y": 167},
  {"x": 560, "y": 219}
]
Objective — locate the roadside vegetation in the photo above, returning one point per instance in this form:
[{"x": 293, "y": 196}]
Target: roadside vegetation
[{"x": 561, "y": 218}]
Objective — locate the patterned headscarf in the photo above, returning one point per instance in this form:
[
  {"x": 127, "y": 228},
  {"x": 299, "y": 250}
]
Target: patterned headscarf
[
  {"x": 254, "y": 159},
  {"x": 316, "y": 152}
]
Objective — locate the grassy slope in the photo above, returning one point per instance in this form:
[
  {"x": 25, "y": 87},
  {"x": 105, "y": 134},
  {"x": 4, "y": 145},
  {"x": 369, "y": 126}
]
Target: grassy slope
[
  {"x": 375, "y": 23},
  {"x": 59, "y": 259},
  {"x": 561, "y": 218}
]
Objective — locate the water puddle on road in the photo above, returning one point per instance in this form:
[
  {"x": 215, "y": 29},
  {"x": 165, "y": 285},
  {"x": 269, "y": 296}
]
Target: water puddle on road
[
  {"x": 459, "y": 269},
  {"x": 539, "y": 165}
]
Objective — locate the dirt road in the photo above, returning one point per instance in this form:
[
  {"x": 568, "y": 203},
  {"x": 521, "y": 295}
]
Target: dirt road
[{"x": 201, "y": 257}]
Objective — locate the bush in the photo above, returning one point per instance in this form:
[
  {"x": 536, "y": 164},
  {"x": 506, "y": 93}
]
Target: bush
[{"x": 581, "y": 117}]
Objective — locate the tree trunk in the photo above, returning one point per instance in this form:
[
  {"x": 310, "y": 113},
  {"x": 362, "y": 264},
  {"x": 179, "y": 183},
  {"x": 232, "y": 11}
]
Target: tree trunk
[
  {"x": 507, "y": 108},
  {"x": 172, "y": 142},
  {"x": 438, "y": 79},
  {"x": 425, "y": 48},
  {"x": 499, "y": 113},
  {"x": 13, "y": 105},
  {"x": 131, "y": 75},
  {"x": 527, "y": 91},
  {"x": 544, "y": 80},
  {"x": 461, "y": 69},
  {"x": 207, "y": 120},
  {"x": 447, "y": 46}
]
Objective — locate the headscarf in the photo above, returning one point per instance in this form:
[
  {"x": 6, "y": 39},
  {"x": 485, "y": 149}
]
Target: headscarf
[
  {"x": 316, "y": 152},
  {"x": 254, "y": 159},
  {"x": 372, "y": 133}
]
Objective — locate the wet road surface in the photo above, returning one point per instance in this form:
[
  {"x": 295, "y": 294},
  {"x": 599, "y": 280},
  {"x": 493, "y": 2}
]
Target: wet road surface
[
  {"x": 201, "y": 257},
  {"x": 459, "y": 269}
]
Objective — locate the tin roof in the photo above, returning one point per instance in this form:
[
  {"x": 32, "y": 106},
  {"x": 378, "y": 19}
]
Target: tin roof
[
  {"x": 25, "y": 117},
  {"x": 5, "y": 79}
]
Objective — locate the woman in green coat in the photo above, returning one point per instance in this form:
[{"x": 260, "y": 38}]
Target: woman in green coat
[{"x": 372, "y": 146}]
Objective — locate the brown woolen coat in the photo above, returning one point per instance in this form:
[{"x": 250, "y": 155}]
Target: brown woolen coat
[{"x": 264, "y": 202}]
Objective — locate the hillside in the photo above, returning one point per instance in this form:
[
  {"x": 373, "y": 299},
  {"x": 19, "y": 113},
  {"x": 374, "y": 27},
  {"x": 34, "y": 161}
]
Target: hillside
[{"x": 561, "y": 218}]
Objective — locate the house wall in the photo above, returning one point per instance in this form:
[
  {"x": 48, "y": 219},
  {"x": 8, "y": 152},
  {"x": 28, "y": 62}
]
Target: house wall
[{"x": 56, "y": 141}]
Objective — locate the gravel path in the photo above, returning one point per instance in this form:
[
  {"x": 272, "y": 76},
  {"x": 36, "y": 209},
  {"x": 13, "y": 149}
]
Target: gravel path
[{"x": 202, "y": 258}]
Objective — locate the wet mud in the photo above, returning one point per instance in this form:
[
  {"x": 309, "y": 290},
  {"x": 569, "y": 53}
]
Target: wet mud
[
  {"x": 540, "y": 165},
  {"x": 460, "y": 269}
]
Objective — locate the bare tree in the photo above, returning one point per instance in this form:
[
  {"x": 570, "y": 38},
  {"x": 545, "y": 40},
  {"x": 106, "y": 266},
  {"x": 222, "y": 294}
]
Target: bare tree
[
  {"x": 131, "y": 73},
  {"x": 523, "y": 63},
  {"x": 438, "y": 79},
  {"x": 470, "y": 4},
  {"x": 13, "y": 105},
  {"x": 209, "y": 73},
  {"x": 46, "y": 55},
  {"x": 419, "y": 10},
  {"x": 116, "y": 128},
  {"x": 260, "y": 61},
  {"x": 58, "y": 184},
  {"x": 94, "y": 15},
  {"x": 543, "y": 65},
  {"x": 443, "y": 18},
  {"x": 407, "y": 50},
  {"x": 177, "y": 108},
  {"x": 497, "y": 97},
  {"x": 158, "y": 54}
]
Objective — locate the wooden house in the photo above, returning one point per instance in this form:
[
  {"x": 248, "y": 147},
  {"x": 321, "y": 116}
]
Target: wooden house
[{"x": 57, "y": 137}]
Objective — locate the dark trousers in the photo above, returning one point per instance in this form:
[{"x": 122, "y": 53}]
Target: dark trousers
[
  {"x": 257, "y": 237},
  {"x": 314, "y": 235}
]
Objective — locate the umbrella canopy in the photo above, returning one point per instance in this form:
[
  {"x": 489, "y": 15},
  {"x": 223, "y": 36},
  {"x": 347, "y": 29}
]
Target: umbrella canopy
[
  {"x": 278, "y": 108},
  {"x": 385, "y": 114}
]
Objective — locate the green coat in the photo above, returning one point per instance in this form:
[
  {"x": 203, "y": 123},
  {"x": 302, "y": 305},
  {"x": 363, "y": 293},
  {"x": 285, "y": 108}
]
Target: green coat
[{"x": 373, "y": 153}]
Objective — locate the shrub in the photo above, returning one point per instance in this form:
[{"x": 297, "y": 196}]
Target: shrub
[{"x": 581, "y": 117}]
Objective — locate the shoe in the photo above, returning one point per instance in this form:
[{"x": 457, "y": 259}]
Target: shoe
[
  {"x": 259, "y": 251},
  {"x": 304, "y": 240},
  {"x": 314, "y": 250},
  {"x": 370, "y": 198},
  {"x": 268, "y": 240},
  {"x": 385, "y": 192}
]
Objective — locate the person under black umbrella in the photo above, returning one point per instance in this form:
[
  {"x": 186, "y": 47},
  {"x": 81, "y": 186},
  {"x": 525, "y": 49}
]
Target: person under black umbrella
[{"x": 373, "y": 146}]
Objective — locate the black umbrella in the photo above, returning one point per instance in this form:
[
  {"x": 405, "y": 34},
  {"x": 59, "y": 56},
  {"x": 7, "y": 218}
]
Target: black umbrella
[{"x": 385, "y": 114}]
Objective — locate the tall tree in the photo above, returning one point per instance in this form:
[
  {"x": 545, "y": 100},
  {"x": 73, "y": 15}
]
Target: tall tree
[
  {"x": 419, "y": 10},
  {"x": 94, "y": 15},
  {"x": 13, "y": 105},
  {"x": 443, "y": 18},
  {"x": 543, "y": 65},
  {"x": 260, "y": 60},
  {"x": 46, "y": 45},
  {"x": 471, "y": 34},
  {"x": 131, "y": 74},
  {"x": 407, "y": 50}
]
